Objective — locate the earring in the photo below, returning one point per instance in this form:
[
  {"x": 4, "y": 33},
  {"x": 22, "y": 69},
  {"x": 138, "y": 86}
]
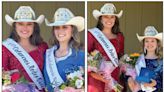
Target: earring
[
  {"x": 145, "y": 51},
  {"x": 157, "y": 50}
]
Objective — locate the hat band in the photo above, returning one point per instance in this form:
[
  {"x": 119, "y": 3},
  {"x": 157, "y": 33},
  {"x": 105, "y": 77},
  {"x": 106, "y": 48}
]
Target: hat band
[
  {"x": 58, "y": 23},
  {"x": 150, "y": 34},
  {"x": 108, "y": 12},
  {"x": 25, "y": 20}
]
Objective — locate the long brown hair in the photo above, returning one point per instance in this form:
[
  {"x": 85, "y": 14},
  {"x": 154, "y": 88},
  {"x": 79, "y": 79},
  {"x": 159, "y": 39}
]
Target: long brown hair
[
  {"x": 35, "y": 38},
  {"x": 115, "y": 28},
  {"x": 74, "y": 41},
  {"x": 158, "y": 51}
]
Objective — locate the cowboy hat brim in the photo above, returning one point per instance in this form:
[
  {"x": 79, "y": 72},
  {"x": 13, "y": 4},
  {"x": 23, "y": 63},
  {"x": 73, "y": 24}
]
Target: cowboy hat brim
[
  {"x": 10, "y": 20},
  {"x": 97, "y": 14},
  {"x": 158, "y": 36},
  {"x": 76, "y": 21}
]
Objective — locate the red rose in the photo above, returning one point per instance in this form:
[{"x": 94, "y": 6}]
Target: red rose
[{"x": 15, "y": 76}]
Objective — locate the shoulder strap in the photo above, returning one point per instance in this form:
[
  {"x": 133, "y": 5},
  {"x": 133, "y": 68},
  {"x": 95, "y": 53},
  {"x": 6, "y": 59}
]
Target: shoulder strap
[
  {"x": 106, "y": 44},
  {"x": 26, "y": 61},
  {"x": 51, "y": 68}
]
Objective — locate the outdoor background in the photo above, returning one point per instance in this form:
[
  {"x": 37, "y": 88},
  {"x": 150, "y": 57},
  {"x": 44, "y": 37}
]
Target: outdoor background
[
  {"x": 46, "y": 8},
  {"x": 136, "y": 16}
]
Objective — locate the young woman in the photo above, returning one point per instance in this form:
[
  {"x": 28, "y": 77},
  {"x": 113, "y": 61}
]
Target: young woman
[
  {"x": 24, "y": 50},
  {"x": 151, "y": 59},
  {"x": 106, "y": 34},
  {"x": 64, "y": 57}
]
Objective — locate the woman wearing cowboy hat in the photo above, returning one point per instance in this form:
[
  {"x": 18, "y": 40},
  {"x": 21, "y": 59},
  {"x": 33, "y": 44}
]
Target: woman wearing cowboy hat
[
  {"x": 152, "y": 61},
  {"x": 64, "y": 57},
  {"x": 23, "y": 51},
  {"x": 106, "y": 38}
]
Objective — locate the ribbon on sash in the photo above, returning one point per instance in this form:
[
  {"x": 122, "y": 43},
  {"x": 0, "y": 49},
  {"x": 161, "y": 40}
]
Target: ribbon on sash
[
  {"x": 51, "y": 68},
  {"x": 26, "y": 61},
  {"x": 106, "y": 44}
]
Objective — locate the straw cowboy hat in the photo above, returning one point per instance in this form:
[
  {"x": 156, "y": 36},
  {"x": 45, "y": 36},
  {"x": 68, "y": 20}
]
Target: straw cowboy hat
[
  {"x": 150, "y": 32},
  {"x": 64, "y": 16},
  {"x": 24, "y": 14},
  {"x": 107, "y": 9}
]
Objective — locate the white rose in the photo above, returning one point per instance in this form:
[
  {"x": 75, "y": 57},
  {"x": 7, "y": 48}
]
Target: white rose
[{"x": 79, "y": 83}]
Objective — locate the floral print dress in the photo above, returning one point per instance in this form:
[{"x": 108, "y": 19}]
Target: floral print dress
[{"x": 156, "y": 66}]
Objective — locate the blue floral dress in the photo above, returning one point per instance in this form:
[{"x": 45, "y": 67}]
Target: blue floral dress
[{"x": 156, "y": 66}]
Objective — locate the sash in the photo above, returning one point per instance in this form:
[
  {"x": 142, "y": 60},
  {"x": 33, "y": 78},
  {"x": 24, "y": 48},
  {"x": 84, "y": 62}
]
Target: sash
[
  {"x": 140, "y": 63},
  {"x": 106, "y": 44},
  {"x": 26, "y": 61},
  {"x": 51, "y": 68}
]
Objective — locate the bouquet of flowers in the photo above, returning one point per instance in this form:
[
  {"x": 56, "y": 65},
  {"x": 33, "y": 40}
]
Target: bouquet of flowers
[
  {"x": 74, "y": 83},
  {"x": 128, "y": 62},
  {"x": 130, "y": 59},
  {"x": 101, "y": 70},
  {"x": 13, "y": 81},
  {"x": 107, "y": 68},
  {"x": 94, "y": 59}
]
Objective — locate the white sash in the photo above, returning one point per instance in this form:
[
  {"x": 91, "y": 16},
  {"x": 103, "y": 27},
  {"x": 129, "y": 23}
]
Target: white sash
[
  {"x": 51, "y": 68},
  {"x": 106, "y": 44},
  {"x": 140, "y": 63},
  {"x": 27, "y": 62}
]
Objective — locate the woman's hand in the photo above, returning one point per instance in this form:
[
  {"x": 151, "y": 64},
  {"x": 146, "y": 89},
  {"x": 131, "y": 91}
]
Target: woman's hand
[
  {"x": 152, "y": 84},
  {"x": 133, "y": 85},
  {"x": 103, "y": 74},
  {"x": 98, "y": 77},
  {"x": 108, "y": 81}
]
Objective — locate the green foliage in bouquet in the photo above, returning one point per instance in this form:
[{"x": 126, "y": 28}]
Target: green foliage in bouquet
[
  {"x": 12, "y": 76},
  {"x": 72, "y": 83},
  {"x": 6, "y": 78},
  {"x": 63, "y": 86},
  {"x": 22, "y": 80},
  {"x": 94, "y": 58},
  {"x": 118, "y": 88}
]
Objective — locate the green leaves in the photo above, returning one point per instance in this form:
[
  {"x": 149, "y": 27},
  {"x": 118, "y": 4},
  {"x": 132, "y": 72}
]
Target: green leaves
[{"x": 22, "y": 80}]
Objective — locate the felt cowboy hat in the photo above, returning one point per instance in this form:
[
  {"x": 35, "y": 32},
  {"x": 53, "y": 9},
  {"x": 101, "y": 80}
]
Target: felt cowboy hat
[
  {"x": 64, "y": 16},
  {"x": 107, "y": 9},
  {"x": 24, "y": 14},
  {"x": 150, "y": 32}
]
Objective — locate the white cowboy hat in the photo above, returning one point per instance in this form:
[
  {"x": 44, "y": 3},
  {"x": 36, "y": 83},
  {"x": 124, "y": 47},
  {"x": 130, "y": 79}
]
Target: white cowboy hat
[
  {"x": 64, "y": 16},
  {"x": 150, "y": 32},
  {"x": 24, "y": 14},
  {"x": 107, "y": 9}
]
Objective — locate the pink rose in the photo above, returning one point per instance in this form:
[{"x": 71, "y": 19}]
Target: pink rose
[{"x": 123, "y": 67}]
